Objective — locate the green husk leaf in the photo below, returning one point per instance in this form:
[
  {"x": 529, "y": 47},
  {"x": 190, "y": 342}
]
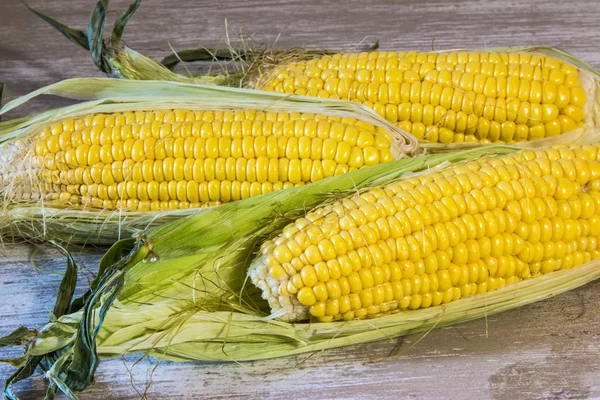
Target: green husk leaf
[
  {"x": 122, "y": 21},
  {"x": 204, "y": 54},
  {"x": 17, "y": 337},
  {"x": 95, "y": 32},
  {"x": 84, "y": 358},
  {"x": 66, "y": 348},
  {"x": 67, "y": 285},
  {"x": 20, "y": 374},
  {"x": 106, "y": 55},
  {"x": 77, "y": 36},
  {"x": 28, "y": 363},
  {"x": 16, "y": 362}
]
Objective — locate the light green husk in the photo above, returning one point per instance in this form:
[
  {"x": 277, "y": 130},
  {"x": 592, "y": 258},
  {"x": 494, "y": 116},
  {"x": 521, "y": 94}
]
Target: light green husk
[
  {"x": 38, "y": 221},
  {"x": 180, "y": 299}
]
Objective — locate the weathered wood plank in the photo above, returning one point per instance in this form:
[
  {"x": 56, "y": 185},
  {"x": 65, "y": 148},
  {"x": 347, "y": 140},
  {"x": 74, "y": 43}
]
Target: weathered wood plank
[{"x": 544, "y": 350}]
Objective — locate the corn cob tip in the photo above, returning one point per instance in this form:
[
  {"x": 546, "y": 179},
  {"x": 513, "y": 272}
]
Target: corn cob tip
[
  {"x": 19, "y": 172},
  {"x": 273, "y": 291}
]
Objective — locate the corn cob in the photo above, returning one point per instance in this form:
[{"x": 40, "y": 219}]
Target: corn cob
[
  {"x": 484, "y": 97},
  {"x": 143, "y": 153},
  {"x": 436, "y": 237},
  {"x": 172, "y": 159}
]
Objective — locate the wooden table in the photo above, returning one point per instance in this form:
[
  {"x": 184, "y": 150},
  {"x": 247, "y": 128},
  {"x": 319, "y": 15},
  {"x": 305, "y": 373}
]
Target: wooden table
[{"x": 545, "y": 350}]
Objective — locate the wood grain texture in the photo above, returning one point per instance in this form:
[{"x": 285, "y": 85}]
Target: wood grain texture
[{"x": 545, "y": 350}]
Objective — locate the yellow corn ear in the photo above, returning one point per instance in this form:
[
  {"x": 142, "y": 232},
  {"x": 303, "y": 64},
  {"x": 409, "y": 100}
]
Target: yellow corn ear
[
  {"x": 449, "y": 97},
  {"x": 437, "y": 237},
  {"x": 175, "y": 159}
]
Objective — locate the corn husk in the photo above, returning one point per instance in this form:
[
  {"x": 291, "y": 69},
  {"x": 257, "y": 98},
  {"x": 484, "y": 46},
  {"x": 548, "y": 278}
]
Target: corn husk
[
  {"x": 36, "y": 220},
  {"x": 123, "y": 62},
  {"x": 179, "y": 299}
]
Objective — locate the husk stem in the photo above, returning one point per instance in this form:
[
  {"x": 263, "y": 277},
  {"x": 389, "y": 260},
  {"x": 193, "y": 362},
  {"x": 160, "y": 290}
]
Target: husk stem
[
  {"x": 254, "y": 66},
  {"x": 35, "y": 220},
  {"x": 176, "y": 299}
]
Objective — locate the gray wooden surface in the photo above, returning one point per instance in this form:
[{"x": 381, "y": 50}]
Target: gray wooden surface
[{"x": 546, "y": 350}]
